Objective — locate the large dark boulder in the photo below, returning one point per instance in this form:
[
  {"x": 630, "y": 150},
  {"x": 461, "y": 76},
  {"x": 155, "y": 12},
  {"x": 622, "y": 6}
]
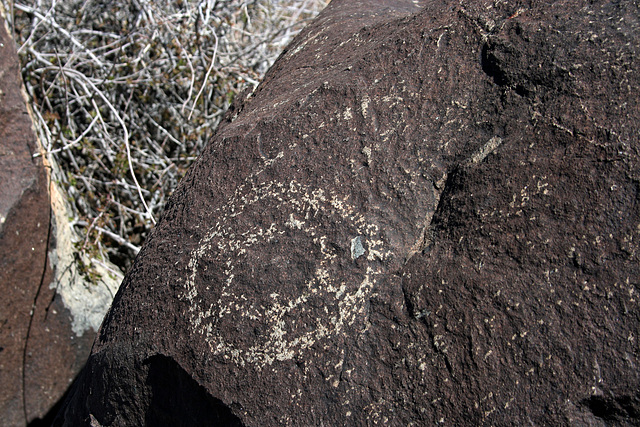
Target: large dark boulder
[{"x": 427, "y": 213}]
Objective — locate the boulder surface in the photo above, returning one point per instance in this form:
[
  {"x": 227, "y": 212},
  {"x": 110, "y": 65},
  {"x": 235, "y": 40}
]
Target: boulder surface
[
  {"x": 39, "y": 353},
  {"x": 428, "y": 212}
]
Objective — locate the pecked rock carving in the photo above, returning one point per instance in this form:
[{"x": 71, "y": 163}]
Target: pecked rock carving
[
  {"x": 339, "y": 302},
  {"x": 426, "y": 213}
]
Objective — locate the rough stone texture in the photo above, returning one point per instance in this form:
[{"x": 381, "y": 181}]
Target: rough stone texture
[
  {"x": 39, "y": 353},
  {"x": 426, "y": 213}
]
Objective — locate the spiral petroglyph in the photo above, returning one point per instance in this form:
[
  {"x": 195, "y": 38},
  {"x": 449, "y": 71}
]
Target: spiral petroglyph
[{"x": 288, "y": 324}]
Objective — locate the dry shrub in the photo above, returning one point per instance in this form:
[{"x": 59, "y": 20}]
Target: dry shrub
[{"x": 126, "y": 93}]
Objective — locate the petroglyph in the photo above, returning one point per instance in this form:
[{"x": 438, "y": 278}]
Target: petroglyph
[
  {"x": 487, "y": 149},
  {"x": 287, "y": 324}
]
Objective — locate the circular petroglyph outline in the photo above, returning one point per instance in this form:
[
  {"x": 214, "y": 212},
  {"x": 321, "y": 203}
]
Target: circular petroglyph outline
[{"x": 300, "y": 204}]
